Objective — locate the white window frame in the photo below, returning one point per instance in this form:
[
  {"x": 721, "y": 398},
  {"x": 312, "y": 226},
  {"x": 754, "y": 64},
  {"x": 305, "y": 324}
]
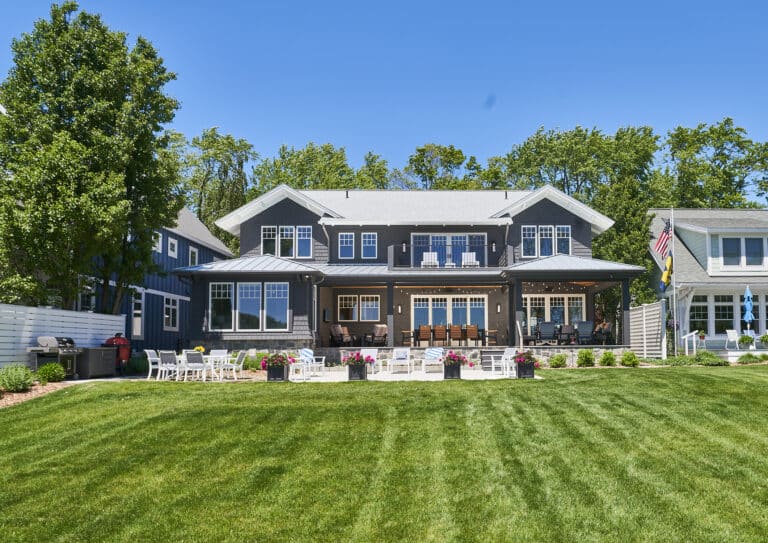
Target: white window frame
[
  {"x": 194, "y": 251},
  {"x": 557, "y": 238},
  {"x": 173, "y": 242},
  {"x": 174, "y": 307},
  {"x": 287, "y": 308},
  {"x": 449, "y": 256},
  {"x": 356, "y": 307},
  {"x": 375, "y": 245},
  {"x": 158, "y": 246},
  {"x": 261, "y": 306},
  {"x": 352, "y": 244},
  {"x": 378, "y": 307},
  {"x": 470, "y": 299},
  {"x": 280, "y": 238},
  {"x": 548, "y": 306},
  {"x": 535, "y": 241},
  {"x": 277, "y": 248},
  {"x": 542, "y": 237},
  {"x": 210, "y": 306},
  {"x": 138, "y": 296},
  {"x": 311, "y": 243}
]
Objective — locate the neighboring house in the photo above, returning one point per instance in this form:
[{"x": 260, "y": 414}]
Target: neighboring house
[
  {"x": 717, "y": 254},
  {"x": 158, "y": 313},
  {"x": 314, "y": 258}
]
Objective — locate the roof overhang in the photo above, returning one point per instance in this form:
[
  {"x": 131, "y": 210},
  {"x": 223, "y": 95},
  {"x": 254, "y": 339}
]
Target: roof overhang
[
  {"x": 600, "y": 223},
  {"x": 232, "y": 221},
  {"x": 331, "y": 221}
]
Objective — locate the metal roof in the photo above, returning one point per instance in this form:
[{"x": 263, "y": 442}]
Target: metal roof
[
  {"x": 189, "y": 226},
  {"x": 570, "y": 263},
  {"x": 250, "y": 264}
]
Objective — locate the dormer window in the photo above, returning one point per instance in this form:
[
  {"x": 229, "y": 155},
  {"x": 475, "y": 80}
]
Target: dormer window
[
  {"x": 743, "y": 252},
  {"x": 545, "y": 240},
  {"x": 546, "y": 243}
]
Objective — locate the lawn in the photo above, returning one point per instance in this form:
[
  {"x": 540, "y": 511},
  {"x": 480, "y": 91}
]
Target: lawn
[{"x": 672, "y": 454}]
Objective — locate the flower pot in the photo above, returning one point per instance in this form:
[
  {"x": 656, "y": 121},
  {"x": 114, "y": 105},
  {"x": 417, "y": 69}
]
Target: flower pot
[
  {"x": 525, "y": 370},
  {"x": 358, "y": 373},
  {"x": 452, "y": 371},
  {"x": 277, "y": 373}
]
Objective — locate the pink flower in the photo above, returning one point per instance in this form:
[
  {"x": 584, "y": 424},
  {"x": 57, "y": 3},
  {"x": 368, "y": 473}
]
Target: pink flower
[
  {"x": 263, "y": 363},
  {"x": 291, "y": 360}
]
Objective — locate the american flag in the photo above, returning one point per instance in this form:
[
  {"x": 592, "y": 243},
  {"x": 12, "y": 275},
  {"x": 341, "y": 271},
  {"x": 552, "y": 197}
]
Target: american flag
[{"x": 663, "y": 242}]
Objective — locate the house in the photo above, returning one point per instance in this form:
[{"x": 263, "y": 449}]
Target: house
[
  {"x": 158, "y": 312},
  {"x": 501, "y": 260},
  {"x": 717, "y": 254}
]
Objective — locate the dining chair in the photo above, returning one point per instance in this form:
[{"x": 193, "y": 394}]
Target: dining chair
[
  {"x": 233, "y": 366},
  {"x": 425, "y": 334},
  {"x": 168, "y": 366},
  {"x": 456, "y": 333},
  {"x": 153, "y": 361},
  {"x": 473, "y": 334},
  {"x": 440, "y": 333}
]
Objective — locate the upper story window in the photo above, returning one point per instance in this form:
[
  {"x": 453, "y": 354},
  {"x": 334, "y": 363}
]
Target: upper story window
[
  {"x": 173, "y": 248},
  {"x": 193, "y": 258},
  {"x": 269, "y": 240},
  {"x": 346, "y": 245},
  {"x": 529, "y": 241},
  {"x": 545, "y": 240},
  {"x": 287, "y": 241},
  {"x": 370, "y": 242},
  {"x": 743, "y": 252},
  {"x": 303, "y": 242},
  {"x": 563, "y": 239},
  {"x": 158, "y": 247}
]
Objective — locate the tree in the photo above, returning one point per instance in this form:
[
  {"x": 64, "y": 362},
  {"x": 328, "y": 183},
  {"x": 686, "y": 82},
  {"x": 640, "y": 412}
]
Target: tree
[
  {"x": 715, "y": 165},
  {"x": 436, "y": 166},
  {"x": 217, "y": 182},
  {"x": 88, "y": 172},
  {"x": 373, "y": 174}
]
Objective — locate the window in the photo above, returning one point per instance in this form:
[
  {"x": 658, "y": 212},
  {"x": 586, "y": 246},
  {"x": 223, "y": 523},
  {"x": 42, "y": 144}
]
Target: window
[
  {"x": 221, "y": 306},
  {"x": 303, "y": 242},
  {"x": 449, "y": 249},
  {"x": 286, "y": 241},
  {"x": 529, "y": 241},
  {"x": 732, "y": 251},
  {"x": 420, "y": 312},
  {"x": 444, "y": 310},
  {"x": 546, "y": 243},
  {"x": 369, "y": 245},
  {"x": 563, "y": 239},
  {"x": 753, "y": 250},
  {"x": 698, "y": 318},
  {"x": 369, "y": 308},
  {"x": 173, "y": 248},
  {"x": 276, "y": 306},
  {"x": 268, "y": 240},
  {"x": 557, "y": 309},
  {"x": 347, "y": 308},
  {"x": 192, "y": 256},
  {"x": 477, "y": 311},
  {"x": 723, "y": 313},
  {"x": 158, "y": 247},
  {"x": 249, "y": 306},
  {"x": 171, "y": 314},
  {"x": 439, "y": 311},
  {"x": 575, "y": 309},
  {"x": 137, "y": 316},
  {"x": 346, "y": 245}
]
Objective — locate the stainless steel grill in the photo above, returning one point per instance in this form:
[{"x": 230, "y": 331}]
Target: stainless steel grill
[{"x": 56, "y": 349}]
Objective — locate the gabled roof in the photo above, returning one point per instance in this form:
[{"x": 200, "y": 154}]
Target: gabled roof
[
  {"x": 190, "y": 227},
  {"x": 600, "y": 223},
  {"x": 247, "y": 264},
  {"x": 232, "y": 221}
]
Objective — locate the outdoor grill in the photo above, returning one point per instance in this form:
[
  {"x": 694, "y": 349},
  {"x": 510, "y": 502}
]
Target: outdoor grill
[{"x": 55, "y": 349}]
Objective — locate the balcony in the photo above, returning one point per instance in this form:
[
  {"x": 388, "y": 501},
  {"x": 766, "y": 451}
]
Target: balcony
[{"x": 445, "y": 256}]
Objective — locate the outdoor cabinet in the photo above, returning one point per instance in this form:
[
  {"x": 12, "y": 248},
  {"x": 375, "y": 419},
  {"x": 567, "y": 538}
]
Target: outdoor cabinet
[{"x": 97, "y": 362}]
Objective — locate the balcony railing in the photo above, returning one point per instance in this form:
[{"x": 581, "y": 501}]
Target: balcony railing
[{"x": 446, "y": 256}]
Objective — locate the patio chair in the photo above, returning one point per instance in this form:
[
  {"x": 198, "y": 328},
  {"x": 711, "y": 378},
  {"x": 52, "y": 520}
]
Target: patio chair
[
  {"x": 425, "y": 334},
  {"x": 603, "y": 333},
  {"x": 407, "y": 337},
  {"x": 378, "y": 336},
  {"x": 432, "y": 357},
  {"x": 505, "y": 363},
  {"x": 440, "y": 333},
  {"x": 583, "y": 331},
  {"x": 455, "y": 334},
  {"x": 308, "y": 365},
  {"x": 216, "y": 360},
  {"x": 566, "y": 334},
  {"x": 373, "y": 353},
  {"x": 168, "y": 365},
  {"x": 233, "y": 365},
  {"x": 401, "y": 356},
  {"x": 193, "y": 362},
  {"x": 547, "y": 332},
  {"x": 153, "y": 361},
  {"x": 339, "y": 338},
  {"x": 469, "y": 260},
  {"x": 731, "y": 336},
  {"x": 473, "y": 334},
  {"x": 429, "y": 260}
]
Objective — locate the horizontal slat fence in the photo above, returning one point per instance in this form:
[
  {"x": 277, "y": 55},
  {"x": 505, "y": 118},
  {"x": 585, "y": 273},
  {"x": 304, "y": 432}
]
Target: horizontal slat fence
[{"x": 20, "y": 326}]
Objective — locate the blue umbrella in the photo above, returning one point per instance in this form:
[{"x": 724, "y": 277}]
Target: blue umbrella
[{"x": 748, "y": 306}]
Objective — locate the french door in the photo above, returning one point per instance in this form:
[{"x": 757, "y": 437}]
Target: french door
[{"x": 447, "y": 310}]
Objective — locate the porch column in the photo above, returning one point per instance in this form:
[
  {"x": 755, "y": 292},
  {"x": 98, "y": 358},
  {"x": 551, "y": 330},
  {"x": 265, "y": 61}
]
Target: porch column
[
  {"x": 625, "y": 311},
  {"x": 390, "y": 314},
  {"x": 515, "y": 304}
]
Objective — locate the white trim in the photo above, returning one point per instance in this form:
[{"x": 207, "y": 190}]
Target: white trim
[
  {"x": 548, "y": 306},
  {"x": 175, "y": 308},
  {"x": 535, "y": 241},
  {"x": 139, "y": 296},
  {"x": 551, "y": 238},
  {"x": 338, "y": 245},
  {"x": 355, "y": 308},
  {"x": 292, "y": 239},
  {"x": 152, "y": 291},
  {"x": 175, "y": 252},
  {"x": 375, "y": 245},
  {"x": 570, "y": 238},
  {"x": 328, "y": 221},
  {"x": 311, "y": 242},
  {"x": 276, "y": 238},
  {"x": 189, "y": 256},
  {"x": 261, "y": 306},
  {"x": 210, "y": 306},
  {"x": 287, "y": 308},
  {"x": 360, "y": 307},
  {"x": 449, "y": 307}
]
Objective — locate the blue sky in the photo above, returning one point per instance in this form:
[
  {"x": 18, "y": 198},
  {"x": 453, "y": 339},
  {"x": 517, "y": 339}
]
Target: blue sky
[{"x": 390, "y": 76}]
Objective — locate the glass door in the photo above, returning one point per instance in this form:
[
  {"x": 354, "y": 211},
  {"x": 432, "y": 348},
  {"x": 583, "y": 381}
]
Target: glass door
[{"x": 458, "y": 246}]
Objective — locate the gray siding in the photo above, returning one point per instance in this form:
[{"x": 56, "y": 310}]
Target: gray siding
[
  {"x": 549, "y": 213},
  {"x": 697, "y": 245}
]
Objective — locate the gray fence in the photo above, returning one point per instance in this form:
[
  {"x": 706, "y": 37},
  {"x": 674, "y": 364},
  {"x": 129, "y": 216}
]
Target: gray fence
[{"x": 648, "y": 331}]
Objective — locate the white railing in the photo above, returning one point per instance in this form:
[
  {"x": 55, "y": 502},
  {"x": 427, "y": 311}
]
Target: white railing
[{"x": 692, "y": 336}]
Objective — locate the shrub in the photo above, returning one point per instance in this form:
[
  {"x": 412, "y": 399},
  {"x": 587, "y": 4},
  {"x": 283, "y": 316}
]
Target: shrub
[
  {"x": 749, "y": 358},
  {"x": 585, "y": 358},
  {"x": 706, "y": 358},
  {"x": 254, "y": 362},
  {"x": 52, "y": 372},
  {"x": 608, "y": 359},
  {"x": 558, "y": 361},
  {"x": 16, "y": 378},
  {"x": 746, "y": 340},
  {"x": 764, "y": 339},
  {"x": 764, "y": 356},
  {"x": 629, "y": 359}
]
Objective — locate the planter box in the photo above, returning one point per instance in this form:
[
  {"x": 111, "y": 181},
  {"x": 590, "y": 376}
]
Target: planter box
[
  {"x": 525, "y": 370},
  {"x": 358, "y": 373},
  {"x": 277, "y": 373},
  {"x": 452, "y": 371}
]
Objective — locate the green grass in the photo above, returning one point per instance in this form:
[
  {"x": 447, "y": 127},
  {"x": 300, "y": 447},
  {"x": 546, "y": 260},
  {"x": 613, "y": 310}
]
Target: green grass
[{"x": 672, "y": 454}]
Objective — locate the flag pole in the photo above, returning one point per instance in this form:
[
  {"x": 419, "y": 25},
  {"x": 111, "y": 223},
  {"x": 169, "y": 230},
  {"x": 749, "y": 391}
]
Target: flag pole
[{"x": 675, "y": 318}]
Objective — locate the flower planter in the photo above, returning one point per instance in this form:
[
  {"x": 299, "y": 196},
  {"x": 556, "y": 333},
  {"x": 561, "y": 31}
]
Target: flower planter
[
  {"x": 277, "y": 373},
  {"x": 452, "y": 371},
  {"x": 525, "y": 370},
  {"x": 358, "y": 372}
]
